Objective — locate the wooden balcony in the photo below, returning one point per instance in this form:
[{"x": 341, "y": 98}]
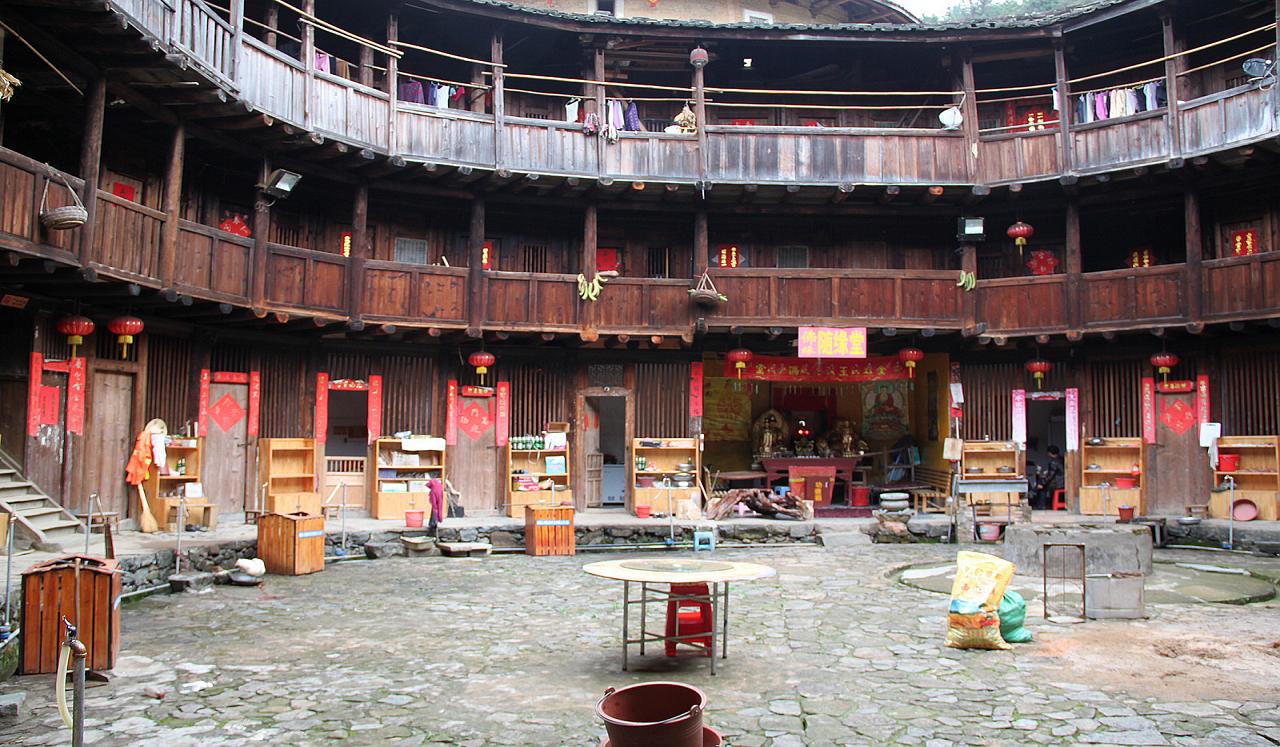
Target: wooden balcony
[{"x": 876, "y": 297}]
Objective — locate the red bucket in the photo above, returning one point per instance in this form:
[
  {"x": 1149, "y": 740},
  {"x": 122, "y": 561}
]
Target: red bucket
[
  {"x": 861, "y": 496},
  {"x": 1228, "y": 462},
  {"x": 642, "y": 512},
  {"x": 1126, "y": 513},
  {"x": 653, "y": 713},
  {"x": 1126, "y": 483},
  {"x": 413, "y": 519}
]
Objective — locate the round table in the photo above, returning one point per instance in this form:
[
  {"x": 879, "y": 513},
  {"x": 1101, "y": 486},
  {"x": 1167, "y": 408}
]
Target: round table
[{"x": 716, "y": 574}]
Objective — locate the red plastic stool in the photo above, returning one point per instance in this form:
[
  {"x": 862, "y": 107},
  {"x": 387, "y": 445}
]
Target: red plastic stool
[
  {"x": 693, "y": 617},
  {"x": 1060, "y": 499}
]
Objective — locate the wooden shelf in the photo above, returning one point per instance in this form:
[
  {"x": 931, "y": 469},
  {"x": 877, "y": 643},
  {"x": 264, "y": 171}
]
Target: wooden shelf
[
  {"x": 391, "y": 505},
  {"x": 532, "y": 464},
  {"x": 1257, "y": 478},
  {"x": 160, "y": 489},
  {"x": 662, "y": 461},
  {"x": 179, "y": 477},
  {"x": 1116, "y": 458}
]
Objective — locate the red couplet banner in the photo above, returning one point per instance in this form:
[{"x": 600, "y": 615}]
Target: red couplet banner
[
  {"x": 451, "y": 414},
  {"x": 255, "y": 404},
  {"x": 75, "y": 396},
  {"x": 695, "y": 389},
  {"x": 375, "y": 408},
  {"x": 502, "y": 428},
  {"x": 322, "y": 408},
  {"x": 778, "y": 368},
  {"x": 1149, "y": 410},
  {"x": 202, "y": 417},
  {"x": 1202, "y": 399}
]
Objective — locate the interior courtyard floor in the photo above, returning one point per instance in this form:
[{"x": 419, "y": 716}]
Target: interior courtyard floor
[{"x": 516, "y": 650}]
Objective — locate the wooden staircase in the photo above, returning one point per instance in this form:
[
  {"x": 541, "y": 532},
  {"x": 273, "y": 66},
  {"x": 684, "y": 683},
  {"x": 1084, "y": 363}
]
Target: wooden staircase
[{"x": 36, "y": 516}]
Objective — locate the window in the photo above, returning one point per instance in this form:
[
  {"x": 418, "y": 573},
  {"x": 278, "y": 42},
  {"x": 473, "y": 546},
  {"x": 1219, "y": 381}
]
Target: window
[
  {"x": 793, "y": 256},
  {"x": 659, "y": 264},
  {"x": 411, "y": 251},
  {"x": 755, "y": 16},
  {"x": 606, "y": 7},
  {"x": 533, "y": 258}
]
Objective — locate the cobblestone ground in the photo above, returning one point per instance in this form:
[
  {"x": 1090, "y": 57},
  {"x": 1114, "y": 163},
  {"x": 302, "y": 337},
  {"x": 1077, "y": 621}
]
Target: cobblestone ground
[{"x": 514, "y": 650}]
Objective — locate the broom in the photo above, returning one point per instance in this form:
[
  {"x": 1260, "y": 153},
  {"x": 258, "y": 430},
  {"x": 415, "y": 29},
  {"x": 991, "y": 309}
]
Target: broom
[{"x": 146, "y": 522}]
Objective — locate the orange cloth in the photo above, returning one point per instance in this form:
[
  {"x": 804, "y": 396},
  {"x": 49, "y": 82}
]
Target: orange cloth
[{"x": 140, "y": 460}]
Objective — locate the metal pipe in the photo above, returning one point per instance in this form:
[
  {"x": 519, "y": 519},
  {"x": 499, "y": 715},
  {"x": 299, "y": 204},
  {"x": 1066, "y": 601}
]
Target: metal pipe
[
  {"x": 665, "y": 546},
  {"x": 88, "y": 530},
  {"x": 78, "y": 653},
  {"x": 143, "y": 590},
  {"x": 342, "y": 513},
  {"x": 8, "y": 573},
  {"x": 1231, "y": 514},
  {"x": 177, "y": 555}
]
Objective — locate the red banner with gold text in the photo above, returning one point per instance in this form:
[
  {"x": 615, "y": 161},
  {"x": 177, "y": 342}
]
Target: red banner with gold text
[{"x": 778, "y": 368}]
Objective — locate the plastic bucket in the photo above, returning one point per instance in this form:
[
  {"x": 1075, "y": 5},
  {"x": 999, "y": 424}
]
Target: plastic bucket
[
  {"x": 1228, "y": 462},
  {"x": 653, "y": 713},
  {"x": 861, "y": 496},
  {"x": 642, "y": 512},
  {"x": 413, "y": 519},
  {"x": 989, "y": 532},
  {"x": 1126, "y": 483},
  {"x": 1244, "y": 510},
  {"x": 1126, "y": 513}
]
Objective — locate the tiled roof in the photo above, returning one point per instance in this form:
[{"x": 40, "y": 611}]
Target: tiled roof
[{"x": 1024, "y": 21}]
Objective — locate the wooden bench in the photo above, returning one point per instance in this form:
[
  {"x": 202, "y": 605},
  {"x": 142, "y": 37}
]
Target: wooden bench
[{"x": 933, "y": 497}]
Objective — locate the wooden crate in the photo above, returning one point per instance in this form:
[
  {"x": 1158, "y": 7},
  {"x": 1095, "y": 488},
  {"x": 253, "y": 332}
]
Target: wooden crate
[
  {"x": 85, "y": 590},
  {"x": 548, "y": 530},
  {"x": 291, "y": 544},
  {"x": 293, "y": 503}
]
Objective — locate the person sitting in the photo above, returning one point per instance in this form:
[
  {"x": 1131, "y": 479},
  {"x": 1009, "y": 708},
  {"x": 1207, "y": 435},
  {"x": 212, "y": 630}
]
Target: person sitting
[{"x": 1049, "y": 478}]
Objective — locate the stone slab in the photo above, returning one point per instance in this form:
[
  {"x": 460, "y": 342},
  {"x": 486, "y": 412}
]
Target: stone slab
[{"x": 1108, "y": 547}]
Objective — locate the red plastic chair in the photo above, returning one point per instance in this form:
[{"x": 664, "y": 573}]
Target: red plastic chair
[
  {"x": 1060, "y": 499},
  {"x": 694, "y": 618}
]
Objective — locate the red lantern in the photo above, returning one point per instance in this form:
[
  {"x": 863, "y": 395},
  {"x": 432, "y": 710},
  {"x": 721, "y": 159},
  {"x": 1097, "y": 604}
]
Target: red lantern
[
  {"x": 1039, "y": 368},
  {"x": 740, "y": 357},
  {"x": 1020, "y": 232},
  {"x": 124, "y": 328},
  {"x": 1164, "y": 363},
  {"x": 481, "y": 360},
  {"x": 910, "y": 357},
  {"x": 698, "y": 57},
  {"x": 76, "y": 328}
]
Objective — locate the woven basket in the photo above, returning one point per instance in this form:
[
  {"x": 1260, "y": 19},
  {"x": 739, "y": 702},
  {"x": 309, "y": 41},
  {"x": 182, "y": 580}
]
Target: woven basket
[
  {"x": 705, "y": 298},
  {"x": 62, "y": 218}
]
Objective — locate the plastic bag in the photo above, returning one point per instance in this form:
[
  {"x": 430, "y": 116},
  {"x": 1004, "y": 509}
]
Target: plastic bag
[
  {"x": 1013, "y": 613},
  {"x": 973, "y": 619}
]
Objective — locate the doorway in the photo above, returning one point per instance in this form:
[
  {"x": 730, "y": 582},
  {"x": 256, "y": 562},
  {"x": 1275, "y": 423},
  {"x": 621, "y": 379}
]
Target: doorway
[
  {"x": 1046, "y": 428},
  {"x": 346, "y": 447},
  {"x": 226, "y": 447},
  {"x": 1177, "y": 468},
  {"x": 109, "y": 442},
  {"x": 605, "y": 450},
  {"x": 474, "y": 458}
]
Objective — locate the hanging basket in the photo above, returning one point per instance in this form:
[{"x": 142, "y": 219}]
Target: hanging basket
[
  {"x": 705, "y": 294},
  {"x": 62, "y": 218}
]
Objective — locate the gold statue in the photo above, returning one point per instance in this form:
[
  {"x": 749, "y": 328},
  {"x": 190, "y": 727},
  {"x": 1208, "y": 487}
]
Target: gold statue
[{"x": 769, "y": 433}]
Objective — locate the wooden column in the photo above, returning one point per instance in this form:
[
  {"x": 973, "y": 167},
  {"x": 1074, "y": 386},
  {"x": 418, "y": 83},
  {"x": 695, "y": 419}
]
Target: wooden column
[
  {"x": 359, "y": 252},
  {"x": 365, "y": 74},
  {"x": 1171, "y": 70},
  {"x": 701, "y": 243},
  {"x": 499, "y": 104},
  {"x": 172, "y": 204},
  {"x": 601, "y": 112},
  {"x": 700, "y": 111},
  {"x": 2, "y": 40},
  {"x": 237, "y": 42},
  {"x": 91, "y": 161},
  {"x": 590, "y": 240},
  {"x": 969, "y": 111},
  {"x": 475, "y": 266},
  {"x": 273, "y": 22},
  {"x": 261, "y": 227},
  {"x": 968, "y": 299},
  {"x": 393, "y": 83},
  {"x": 308, "y": 63},
  {"x": 1074, "y": 287},
  {"x": 1194, "y": 277},
  {"x": 1065, "y": 156}
]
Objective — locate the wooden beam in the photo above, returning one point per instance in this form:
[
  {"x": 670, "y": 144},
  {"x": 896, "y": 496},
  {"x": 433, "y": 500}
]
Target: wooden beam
[
  {"x": 261, "y": 228},
  {"x": 1073, "y": 286},
  {"x": 1172, "y": 66},
  {"x": 498, "y": 81},
  {"x": 475, "y": 266},
  {"x": 701, "y": 243},
  {"x": 172, "y": 204},
  {"x": 969, "y": 115},
  {"x": 842, "y": 193},
  {"x": 890, "y": 192},
  {"x": 359, "y": 252},
  {"x": 91, "y": 161},
  {"x": 1065, "y": 155},
  {"x": 1192, "y": 269}
]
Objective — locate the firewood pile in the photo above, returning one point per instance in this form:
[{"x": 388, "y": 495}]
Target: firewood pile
[{"x": 762, "y": 502}]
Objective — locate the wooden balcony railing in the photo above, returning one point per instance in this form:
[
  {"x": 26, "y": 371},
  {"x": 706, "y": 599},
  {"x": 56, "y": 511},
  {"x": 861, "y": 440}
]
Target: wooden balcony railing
[
  {"x": 126, "y": 239},
  {"x": 921, "y": 299},
  {"x": 1022, "y": 304},
  {"x": 400, "y": 292},
  {"x": 520, "y": 300},
  {"x": 1242, "y": 285},
  {"x": 305, "y": 279},
  {"x": 1117, "y": 299},
  {"x": 23, "y": 182},
  {"x": 213, "y": 264}
]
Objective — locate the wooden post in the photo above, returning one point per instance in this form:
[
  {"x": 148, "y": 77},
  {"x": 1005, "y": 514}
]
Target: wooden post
[
  {"x": 590, "y": 240},
  {"x": 601, "y": 111},
  {"x": 359, "y": 252},
  {"x": 172, "y": 205},
  {"x": 272, "y": 22},
  {"x": 700, "y": 111},
  {"x": 1073, "y": 284},
  {"x": 475, "y": 265},
  {"x": 237, "y": 23},
  {"x": 365, "y": 74},
  {"x": 2, "y": 40},
  {"x": 91, "y": 162},
  {"x": 968, "y": 299},
  {"x": 499, "y": 104},
  {"x": 1171, "y": 69},
  {"x": 1065, "y": 156},
  {"x": 701, "y": 244},
  {"x": 969, "y": 112},
  {"x": 261, "y": 227},
  {"x": 308, "y": 63},
  {"x": 393, "y": 83},
  {"x": 1194, "y": 277}
]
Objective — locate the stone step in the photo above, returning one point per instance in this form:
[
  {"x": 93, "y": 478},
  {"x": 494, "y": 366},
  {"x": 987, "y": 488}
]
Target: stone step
[
  {"x": 13, "y": 486},
  {"x": 33, "y": 512},
  {"x": 8, "y": 474},
  {"x": 30, "y": 500},
  {"x": 46, "y": 522}
]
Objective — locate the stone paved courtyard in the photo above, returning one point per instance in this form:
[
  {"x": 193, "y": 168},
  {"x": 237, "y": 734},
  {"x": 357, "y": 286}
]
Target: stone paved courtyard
[{"x": 513, "y": 650}]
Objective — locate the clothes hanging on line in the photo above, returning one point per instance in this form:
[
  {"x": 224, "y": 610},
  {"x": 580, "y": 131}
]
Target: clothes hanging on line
[
  {"x": 571, "y": 110},
  {"x": 615, "y": 118},
  {"x": 411, "y": 92},
  {"x": 1120, "y": 102},
  {"x": 631, "y": 119}
]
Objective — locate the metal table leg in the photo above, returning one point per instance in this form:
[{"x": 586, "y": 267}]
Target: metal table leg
[
  {"x": 715, "y": 588},
  {"x": 644, "y": 604},
  {"x": 626, "y": 608},
  {"x": 724, "y": 615}
]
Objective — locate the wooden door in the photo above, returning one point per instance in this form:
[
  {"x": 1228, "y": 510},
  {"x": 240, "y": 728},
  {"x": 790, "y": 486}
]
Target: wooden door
[
  {"x": 108, "y": 441},
  {"x": 46, "y": 450},
  {"x": 225, "y": 469},
  {"x": 592, "y": 459},
  {"x": 1178, "y": 467},
  {"x": 474, "y": 468}
]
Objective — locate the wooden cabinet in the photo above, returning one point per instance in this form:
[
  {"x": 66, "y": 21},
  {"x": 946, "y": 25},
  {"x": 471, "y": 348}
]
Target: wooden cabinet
[
  {"x": 991, "y": 460},
  {"x": 1112, "y": 474},
  {"x": 655, "y": 461},
  {"x": 1257, "y": 475},
  {"x": 403, "y": 468},
  {"x": 542, "y": 466},
  {"x": 289, "y": 471},
  {"x": 164, "y": 487},
  {"x": 548, "y": 530},
  {"x": 291, "y": 544}
]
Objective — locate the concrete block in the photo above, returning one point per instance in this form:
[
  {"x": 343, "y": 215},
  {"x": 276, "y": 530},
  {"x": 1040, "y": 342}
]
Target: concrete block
[
  {"x": 378, "y": 550},
  {"x": 844, "y": 539},
  {"x": 191, "y": 582},
  {"x": 1108, "y": 547},
  {"x": 419, "y": 547},
  {"x": 13, "y": 705},
  {"x": 464, "y": 549}
]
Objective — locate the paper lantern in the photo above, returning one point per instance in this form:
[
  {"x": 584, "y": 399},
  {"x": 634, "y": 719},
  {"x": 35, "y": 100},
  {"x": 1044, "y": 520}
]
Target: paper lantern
[
  {"x": 698, "y": 57},
  {"x": 125, "y": 328},
  {"x": 1020, "y": 232},
  {"x": 910, "y": 357},
  {"x": 740, "y": 357},
  {"x": 1164, "y": 363},
  {"x": 76, "y": 328},
  {"x": 1039, "y": 368},
  {"x": 481, "y": 360}
]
